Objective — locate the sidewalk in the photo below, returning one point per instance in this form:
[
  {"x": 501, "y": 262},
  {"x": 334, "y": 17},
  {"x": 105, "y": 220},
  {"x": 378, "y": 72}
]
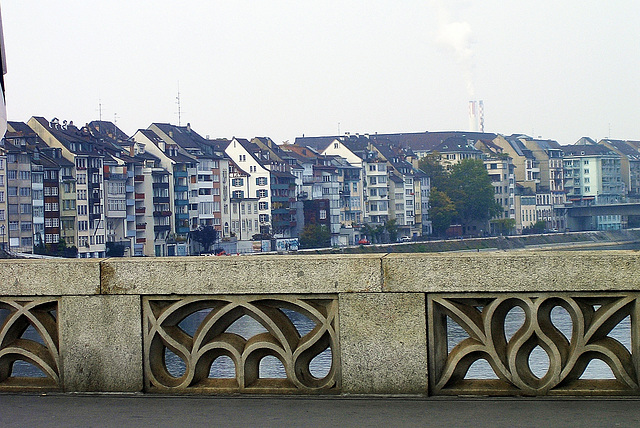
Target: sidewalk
[{"x": 65, "y": 410}]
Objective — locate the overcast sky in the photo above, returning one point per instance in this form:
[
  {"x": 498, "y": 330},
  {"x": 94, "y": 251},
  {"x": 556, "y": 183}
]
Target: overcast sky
[{"x": 549, "y": 68}]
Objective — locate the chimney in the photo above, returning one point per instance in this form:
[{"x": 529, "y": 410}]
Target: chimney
[{"x": 473, "y": 116}]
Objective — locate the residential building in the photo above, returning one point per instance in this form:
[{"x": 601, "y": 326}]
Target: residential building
[
  {"x": 629, "y": 165},
  {"x": 87, "y": 153},
  {"x": 593, "y": 176}
]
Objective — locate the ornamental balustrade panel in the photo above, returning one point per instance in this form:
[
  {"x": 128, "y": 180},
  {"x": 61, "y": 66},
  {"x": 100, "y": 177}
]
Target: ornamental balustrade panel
[
  {"x": 569, "y": 331},
  {"x": 250, "y": 343},
  {"x": 29, "y": 348}
]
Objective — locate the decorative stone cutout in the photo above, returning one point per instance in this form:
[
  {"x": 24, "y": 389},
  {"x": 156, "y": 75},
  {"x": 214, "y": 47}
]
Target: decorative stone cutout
[
  {"x": 41, "y": 352},
  {"x": 165, "y": 334},
  {"x": 482, "y": 317}
]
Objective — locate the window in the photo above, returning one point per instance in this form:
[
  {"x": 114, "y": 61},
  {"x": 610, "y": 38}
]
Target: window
[
  {"x": 237, "y": 182},
  {"x": 82, "y": 209},
  {"x": 12, "y": 191},
  {"x": 25, "y": 191},
  {"x": 263, "y": 205},
  {"x": 2, "y": 196},
  {"x": 323, "y": 214},
  {"x": 25, "y": 208},
  {"x": 355, "y": 187},
  {"x": 38, "y": 211},
  {"x": 262, "y": 193},
  {"x": 373, "y": 181},
  {"x": 2, "y": 215},
  {"x": 25, "y": 175},
  {"x": 26, "y": 242},
  {"x": 264, "y": 218},
  {"x": 237, "y": 194},
  {"x": 81, "y": 178},
  {"x": 261, "y": 181},
  {"x": 12, "y": 175}
]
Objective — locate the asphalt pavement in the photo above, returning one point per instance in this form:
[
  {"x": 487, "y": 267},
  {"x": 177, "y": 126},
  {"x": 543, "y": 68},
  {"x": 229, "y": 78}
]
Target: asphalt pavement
[{"x": 138, "y": 410}]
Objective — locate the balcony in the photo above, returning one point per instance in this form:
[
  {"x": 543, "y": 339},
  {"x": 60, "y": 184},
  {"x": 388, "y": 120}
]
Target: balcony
[
  {"x": 180, "y": 174},
  {"x": 160, "y": 185},
  {"x": 140, "y": 196},
  {"x": 161, "y": 228},
  {"x": 141, "y": 210},
  {"x": 164, "y": 213},
  {"x": 139, "y": 178},
  {"x": 160, "y": 199},
  {"x": 141, "y": 226},
  {"x": 141, "y": 240}
]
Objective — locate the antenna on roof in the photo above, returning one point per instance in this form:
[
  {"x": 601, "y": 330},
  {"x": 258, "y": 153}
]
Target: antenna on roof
[{"x": 178, "y": 102}]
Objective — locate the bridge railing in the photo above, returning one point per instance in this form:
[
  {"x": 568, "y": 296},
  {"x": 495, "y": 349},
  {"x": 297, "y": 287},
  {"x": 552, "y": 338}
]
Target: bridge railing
[{"x": 389, "y": 324}]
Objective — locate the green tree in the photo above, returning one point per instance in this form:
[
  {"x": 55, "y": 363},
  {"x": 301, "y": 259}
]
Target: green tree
[
  {"x": 441, "y": 211},
  {"x": 391, "y": 227},
  {"x": 431, "y": 166},
  {"x": 469, "y": 188},
  {"x": 206, "y": 236},
  {"x": 115, "y": 249},
  {"x": 315, "y": 236},
  {"x": 504, "y": 226}
]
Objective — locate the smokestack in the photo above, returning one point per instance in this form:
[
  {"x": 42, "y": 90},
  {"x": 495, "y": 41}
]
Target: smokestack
[
  {"x": 481, "y": 114},
  {"x": 473, "y": 116}
]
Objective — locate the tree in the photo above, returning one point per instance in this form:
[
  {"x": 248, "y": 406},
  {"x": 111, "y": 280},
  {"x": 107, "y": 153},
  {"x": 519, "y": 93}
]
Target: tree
[
  {"x": 441, "y": 211},
  {"x": 315, "y": 236},
  {"x": 392, "y": 229},
  {"x": 206, "y": 236},
  {"x": 115, "y": 249},
  {"x": 469, "y": 188},
  {"x": 431, "y": 166},
  {"x": 504, "y": 226}
]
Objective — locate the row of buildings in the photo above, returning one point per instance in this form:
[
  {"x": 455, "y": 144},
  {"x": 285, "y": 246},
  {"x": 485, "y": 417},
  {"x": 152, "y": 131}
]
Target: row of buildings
[{"x": 95, "y": 188}]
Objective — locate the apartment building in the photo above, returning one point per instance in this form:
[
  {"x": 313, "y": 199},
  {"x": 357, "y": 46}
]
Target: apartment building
[
  {"x": 629, "y": 165},
  {"x": 248, "y": 159},
  {"x": 18, "y": 194},
  {"x": 593, "y": 176},
  {"x": 87, "y": 153}
]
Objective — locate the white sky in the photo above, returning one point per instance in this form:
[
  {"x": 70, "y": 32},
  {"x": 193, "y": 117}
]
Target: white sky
[{"x": 556, "y": 69}]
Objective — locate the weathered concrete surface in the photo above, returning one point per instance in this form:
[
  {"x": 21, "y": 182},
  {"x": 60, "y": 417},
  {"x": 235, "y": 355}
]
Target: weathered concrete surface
[
  {"x": 513, "y": 272},
  {"x": 101, "y": 343},
  {"x": 383, "y": 343},
  {"x": 49, "y": 277},
  {"x": 136, "y": 411},
  {"x": 242, "y": 274}
]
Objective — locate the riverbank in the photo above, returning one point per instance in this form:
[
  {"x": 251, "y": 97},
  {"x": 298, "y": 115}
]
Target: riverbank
[{"x": 547, "y": 241}]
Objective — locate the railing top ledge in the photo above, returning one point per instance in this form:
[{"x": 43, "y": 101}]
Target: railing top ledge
[{"x": 516, "y": 271}]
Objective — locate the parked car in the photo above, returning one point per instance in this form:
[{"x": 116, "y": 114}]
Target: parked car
[
  {"x": 364, "y": 241},
  {"x": 405, "y": 239}
]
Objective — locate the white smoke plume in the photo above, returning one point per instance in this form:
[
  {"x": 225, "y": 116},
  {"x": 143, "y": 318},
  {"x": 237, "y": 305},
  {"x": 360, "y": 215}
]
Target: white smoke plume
[{"x": 456, "y": 36}]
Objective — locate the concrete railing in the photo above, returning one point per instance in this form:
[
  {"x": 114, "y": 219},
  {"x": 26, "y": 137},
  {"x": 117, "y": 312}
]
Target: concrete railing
[{"x": 106, "y": 325}]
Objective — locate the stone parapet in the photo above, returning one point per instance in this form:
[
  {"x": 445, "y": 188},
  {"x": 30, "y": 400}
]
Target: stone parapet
[{"x": 108, "y": 325}]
